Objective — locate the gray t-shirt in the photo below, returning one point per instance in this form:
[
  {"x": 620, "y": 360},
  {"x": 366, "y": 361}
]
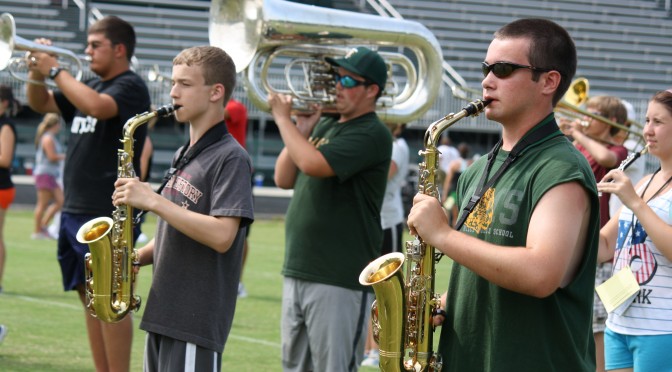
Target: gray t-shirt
[{"x": 194, "y": 288}]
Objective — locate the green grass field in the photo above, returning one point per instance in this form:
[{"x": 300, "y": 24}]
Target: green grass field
[{"x": 46, "y": 324}]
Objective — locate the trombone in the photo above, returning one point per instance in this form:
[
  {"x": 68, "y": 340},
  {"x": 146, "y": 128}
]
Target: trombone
[
  {"x": 577, "y": 95},
  {"x": 10, "y": 42},
  {"x": 155, "y": 74}
]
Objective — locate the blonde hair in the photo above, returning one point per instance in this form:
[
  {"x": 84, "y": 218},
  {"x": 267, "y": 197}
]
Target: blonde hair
[
  {"x": 49, "y": 121},
  {"x": 216, "y": 65}
]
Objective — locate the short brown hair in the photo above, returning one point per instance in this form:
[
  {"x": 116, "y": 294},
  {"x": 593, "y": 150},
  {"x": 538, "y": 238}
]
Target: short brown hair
[
  {"x": 216, "y": 64},
  {"x": 610, "y": 107},
  {"x": 551, "y": 48},
  {"x": 117, "y": 31}
]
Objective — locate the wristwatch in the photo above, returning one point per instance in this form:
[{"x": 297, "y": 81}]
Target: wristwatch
[{"x": 54, "y": 71}]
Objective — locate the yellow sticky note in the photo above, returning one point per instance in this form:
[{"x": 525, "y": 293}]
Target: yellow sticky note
[{"x": 618, "y": 289}]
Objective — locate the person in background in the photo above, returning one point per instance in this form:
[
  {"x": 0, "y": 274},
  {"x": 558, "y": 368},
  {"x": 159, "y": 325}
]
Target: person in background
[
  {"x": 96, "y": 111},
  {"x": 202, "y": 212},
  {"x": 455, "y": 169},
  {"x": 632, "y": 142},
  {"x": 49, "y": 157},
  {"x": 146, "y": 160},
  {"x": 392, "y": 218},
  {"x": 520, "y": 294},
  {"x": 596, "y": 142},
  {"x": 3, "y": 332},
  {"x": 235, "y": 117},
  {"x": 338, "y": 170},
  {"x": 638, "y": 336},
  {"x": 8, "y": 106},
  {"x": 447, "y": 153}
]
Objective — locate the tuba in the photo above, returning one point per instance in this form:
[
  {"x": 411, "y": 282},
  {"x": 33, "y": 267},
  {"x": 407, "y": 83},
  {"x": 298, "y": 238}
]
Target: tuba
[
  {"x": 110, "y": 278},
  {"x": 272, "y": 39},
  {"x": 401, "y": 315}
]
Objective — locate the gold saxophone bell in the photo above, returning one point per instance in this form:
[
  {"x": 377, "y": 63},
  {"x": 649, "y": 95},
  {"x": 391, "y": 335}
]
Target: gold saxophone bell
[{"x": 109, "y": 292}]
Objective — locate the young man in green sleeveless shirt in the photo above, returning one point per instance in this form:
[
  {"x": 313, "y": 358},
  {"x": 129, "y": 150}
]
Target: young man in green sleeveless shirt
[{"x": 521, "y": 289}]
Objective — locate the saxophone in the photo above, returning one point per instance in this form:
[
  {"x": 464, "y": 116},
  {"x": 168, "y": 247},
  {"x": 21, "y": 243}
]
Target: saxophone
[
  {"x": 401, "y": 315},
  {"x": 110, "y": 278}
]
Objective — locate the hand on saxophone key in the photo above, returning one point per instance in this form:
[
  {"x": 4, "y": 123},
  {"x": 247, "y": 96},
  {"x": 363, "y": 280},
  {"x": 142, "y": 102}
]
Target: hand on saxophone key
[
  {"x": 427, "y": 218},
  {"x": 130, "y": 191}
]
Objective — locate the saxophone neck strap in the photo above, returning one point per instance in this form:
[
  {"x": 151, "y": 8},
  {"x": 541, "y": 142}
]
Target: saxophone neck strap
[
  {"x": 187, "y": 153},
  {"x": 546, "y": 131}
]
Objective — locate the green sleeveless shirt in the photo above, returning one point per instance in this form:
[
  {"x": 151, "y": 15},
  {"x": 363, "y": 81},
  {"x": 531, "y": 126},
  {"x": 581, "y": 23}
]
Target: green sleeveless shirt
[{"x": 489, "y": 328}]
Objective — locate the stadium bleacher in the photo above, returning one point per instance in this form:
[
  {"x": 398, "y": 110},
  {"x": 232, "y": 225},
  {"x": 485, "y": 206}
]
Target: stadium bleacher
[{"x": 623, "y": 45}]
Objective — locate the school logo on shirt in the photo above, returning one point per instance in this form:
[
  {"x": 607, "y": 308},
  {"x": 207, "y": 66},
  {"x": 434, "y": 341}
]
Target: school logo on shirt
[
  {"x": 184, "y": 187},
  {"x": 638, "y": 255},
  {"x": 481, "y": 218},
  {"x": 82, "y": 125}
]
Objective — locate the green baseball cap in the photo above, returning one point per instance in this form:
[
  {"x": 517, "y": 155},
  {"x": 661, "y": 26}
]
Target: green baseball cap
[{"x": 364, "y": 62}]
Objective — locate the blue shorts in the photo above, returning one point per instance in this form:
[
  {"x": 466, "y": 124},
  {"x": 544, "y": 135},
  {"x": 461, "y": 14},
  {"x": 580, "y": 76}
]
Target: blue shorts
[
  {"x": 642, "y": 353},
  {"x": 71, "y": 252}
]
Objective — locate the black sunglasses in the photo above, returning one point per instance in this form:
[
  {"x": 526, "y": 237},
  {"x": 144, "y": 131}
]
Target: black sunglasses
[
  {"x": 504, "y": 69},
  {"x": 349, "y": 82}
]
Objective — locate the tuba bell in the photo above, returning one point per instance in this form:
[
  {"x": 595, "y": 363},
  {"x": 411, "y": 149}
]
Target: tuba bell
[
  {"x": 269, "y": 38},
  {"x": 10, "y": 42}
]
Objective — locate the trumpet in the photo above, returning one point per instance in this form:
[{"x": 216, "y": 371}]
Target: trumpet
[
  {"x": 577, "y": 95},
  {"x": 10, "y": 42}
]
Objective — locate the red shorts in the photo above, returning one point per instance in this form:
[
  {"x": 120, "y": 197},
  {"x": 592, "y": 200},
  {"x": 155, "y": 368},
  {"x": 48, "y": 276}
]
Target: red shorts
[{"x": 7, "y": 197}]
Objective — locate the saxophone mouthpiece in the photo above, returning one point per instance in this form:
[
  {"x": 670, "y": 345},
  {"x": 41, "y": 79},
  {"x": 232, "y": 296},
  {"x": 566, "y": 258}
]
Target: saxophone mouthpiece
[{"x": 167, "y": 110}]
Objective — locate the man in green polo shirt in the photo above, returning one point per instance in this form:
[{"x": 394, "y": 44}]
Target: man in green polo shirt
[{"x": 338, "y": 169}]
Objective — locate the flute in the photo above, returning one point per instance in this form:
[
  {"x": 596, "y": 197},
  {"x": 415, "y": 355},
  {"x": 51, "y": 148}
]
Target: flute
[{"x": 628, "y": 162}]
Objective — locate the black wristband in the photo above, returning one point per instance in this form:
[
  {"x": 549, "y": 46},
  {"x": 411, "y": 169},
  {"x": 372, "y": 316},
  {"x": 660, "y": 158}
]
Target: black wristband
[
  {"x": 441, "y": 312},
  {"x": 54, "y": 72}
]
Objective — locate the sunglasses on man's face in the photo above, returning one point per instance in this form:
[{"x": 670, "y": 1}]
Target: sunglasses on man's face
[
  {"x": 505, "y": 69},
  {"x": 349, "y": 82}
]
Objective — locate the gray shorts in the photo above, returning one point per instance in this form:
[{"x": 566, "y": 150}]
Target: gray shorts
[
  {"x": 166, "y": 354},
  {"x": 323, "y": 326}
]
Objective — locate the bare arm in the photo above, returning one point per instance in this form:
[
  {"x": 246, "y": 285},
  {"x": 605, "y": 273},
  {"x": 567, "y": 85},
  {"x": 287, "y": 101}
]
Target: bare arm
[
  {"x": 547, "y": 263},
  {"x": 7, "y": 141},
  {"x": 146, "y": 253},
  {"x": 49, "y": 148},
  {"x": 217, "y": 233},
  {"x": 452, "y": 168},
  {"x": 299, "y": 153},
  {"x": 145, "y": 157},
  {"x": 87, "y": 100},
  {"x": 608, "y": 236},
  {"x": 602, "y": 155},
  {"x": 657, "y": 229}
]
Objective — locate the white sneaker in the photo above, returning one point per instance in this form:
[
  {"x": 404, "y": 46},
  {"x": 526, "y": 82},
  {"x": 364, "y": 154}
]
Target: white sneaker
[
  {"x": 242, "y": 293},
  {"x": 372, "y": 359},
  {"x": 142, "y": 238},
  {"x": 40, "y": 236},
  {"x": 3, "y": 332}
]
